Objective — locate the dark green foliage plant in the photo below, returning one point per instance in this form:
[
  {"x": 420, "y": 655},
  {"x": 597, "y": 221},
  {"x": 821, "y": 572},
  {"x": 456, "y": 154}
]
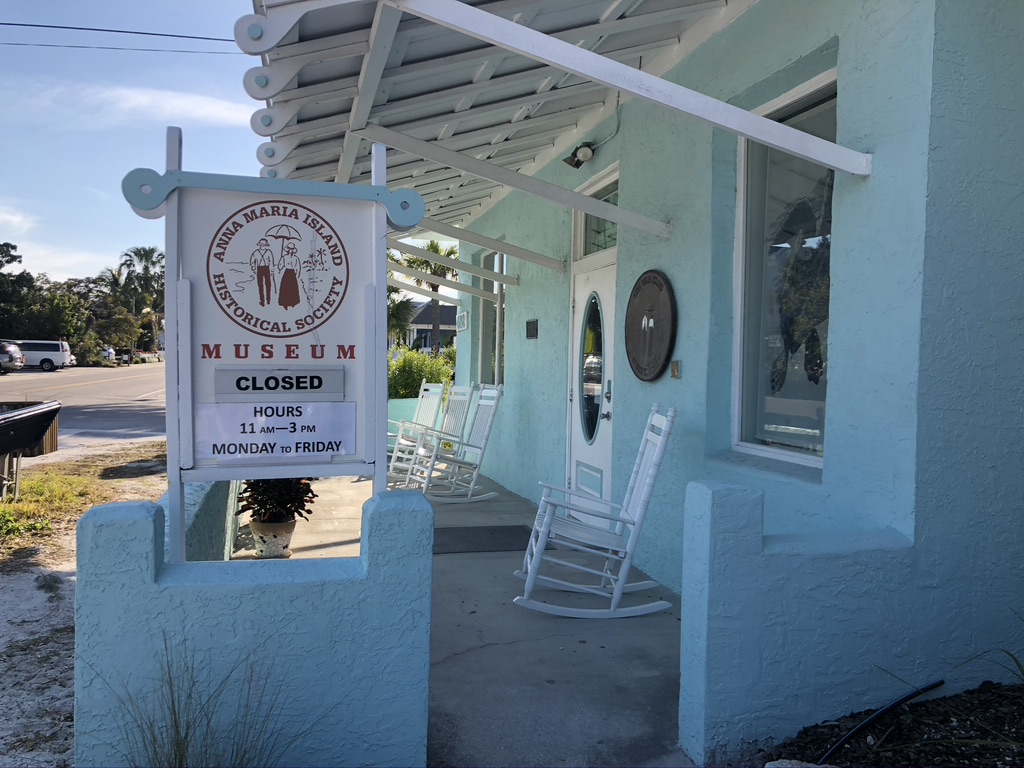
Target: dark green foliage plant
[
  {"x": 276, "y": 500},
  {"x": 408, "y": 370}
]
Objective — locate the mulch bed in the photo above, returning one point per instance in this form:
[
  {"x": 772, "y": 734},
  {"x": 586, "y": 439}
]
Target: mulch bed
[{"x": 981, "y": 727}]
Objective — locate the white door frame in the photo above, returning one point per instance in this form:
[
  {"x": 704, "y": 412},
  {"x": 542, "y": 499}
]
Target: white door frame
[{"x": 581, "y": 264}]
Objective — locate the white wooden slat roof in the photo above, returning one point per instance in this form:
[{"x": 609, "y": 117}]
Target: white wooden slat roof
[{"x": 473, "y": 98}]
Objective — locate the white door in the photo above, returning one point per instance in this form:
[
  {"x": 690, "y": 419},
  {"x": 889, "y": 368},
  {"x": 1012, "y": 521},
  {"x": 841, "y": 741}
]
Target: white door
[{"x": 591, "y": 404}]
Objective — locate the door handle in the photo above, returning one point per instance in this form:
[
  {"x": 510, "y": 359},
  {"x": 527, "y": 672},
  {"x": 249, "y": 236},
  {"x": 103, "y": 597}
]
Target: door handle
[{"x": 608, "y": 392}]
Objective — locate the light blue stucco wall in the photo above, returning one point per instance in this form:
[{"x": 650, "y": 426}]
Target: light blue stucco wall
[
  {"x": 678, "y": 169},
  {"x": 529, "y": 428},
  {"x": 345, "y": 643},
  {"x": 799, "y": 584},
  {"x": 210, "y": 520}
]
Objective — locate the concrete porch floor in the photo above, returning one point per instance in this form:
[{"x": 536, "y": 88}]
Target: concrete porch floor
[{"x": 513, "y": 687}]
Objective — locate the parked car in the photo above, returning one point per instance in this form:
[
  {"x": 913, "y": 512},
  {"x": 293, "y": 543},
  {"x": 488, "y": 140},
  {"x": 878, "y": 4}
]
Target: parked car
[
  {"x": 43, "y": 353},
  {"x": 11, "y": 358}
]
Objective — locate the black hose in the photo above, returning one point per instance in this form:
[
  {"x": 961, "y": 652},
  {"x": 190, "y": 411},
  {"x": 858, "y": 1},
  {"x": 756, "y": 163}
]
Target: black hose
[{"x": 874, "y": 716}]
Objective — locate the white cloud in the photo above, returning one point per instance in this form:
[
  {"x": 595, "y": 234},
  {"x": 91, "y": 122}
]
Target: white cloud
[
  {"x": 124, "y": 104},
  {"x": 61, "y": 262},
  {"x": 14, "y": 223},
  {"x": 65, "y": 104}
]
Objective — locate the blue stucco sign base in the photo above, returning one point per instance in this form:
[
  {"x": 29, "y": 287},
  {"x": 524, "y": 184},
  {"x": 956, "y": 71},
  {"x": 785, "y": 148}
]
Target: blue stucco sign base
[{"x": 346, "y": 645}]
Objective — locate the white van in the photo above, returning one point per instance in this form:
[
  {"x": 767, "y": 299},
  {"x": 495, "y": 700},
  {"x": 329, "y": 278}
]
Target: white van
[{"x": 48, "y": 355}]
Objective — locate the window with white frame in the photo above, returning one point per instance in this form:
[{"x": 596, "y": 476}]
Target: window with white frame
[
  {"x": 787, "y": 244},
  {"x": 597, "y": 234}
]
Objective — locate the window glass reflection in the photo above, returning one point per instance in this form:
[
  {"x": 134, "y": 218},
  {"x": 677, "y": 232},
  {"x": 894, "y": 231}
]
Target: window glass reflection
[{"x": 591, "y": 367}]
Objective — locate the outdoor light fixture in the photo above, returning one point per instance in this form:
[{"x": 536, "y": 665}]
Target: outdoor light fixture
[{"x": 580, "y": 155}]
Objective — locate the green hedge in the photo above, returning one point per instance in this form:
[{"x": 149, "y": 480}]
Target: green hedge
[{"x": 408, "y": 369}]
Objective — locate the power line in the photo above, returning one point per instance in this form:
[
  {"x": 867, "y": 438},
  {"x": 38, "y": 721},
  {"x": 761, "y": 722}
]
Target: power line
[
  {"x": 116, "y": 32},
  {"x": 116, "y": 48}
]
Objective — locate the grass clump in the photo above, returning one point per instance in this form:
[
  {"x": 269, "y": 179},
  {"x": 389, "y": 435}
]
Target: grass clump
[
  {"x": 46, "y": 500},
  {"x": 52, "y": 498},
  {"x": 193, "y": 717}
]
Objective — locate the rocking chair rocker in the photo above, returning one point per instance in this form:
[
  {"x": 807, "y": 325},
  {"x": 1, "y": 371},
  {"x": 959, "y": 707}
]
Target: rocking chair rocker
[{"x": 604, "y": 533}]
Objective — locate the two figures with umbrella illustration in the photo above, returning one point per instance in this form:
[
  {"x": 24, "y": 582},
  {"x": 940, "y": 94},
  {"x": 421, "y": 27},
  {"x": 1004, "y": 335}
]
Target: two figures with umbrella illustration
[{"x": 263, "y": 266}]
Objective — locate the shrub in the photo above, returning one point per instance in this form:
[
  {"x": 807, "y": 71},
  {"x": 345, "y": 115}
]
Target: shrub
[{"x": 408, "y": 370}]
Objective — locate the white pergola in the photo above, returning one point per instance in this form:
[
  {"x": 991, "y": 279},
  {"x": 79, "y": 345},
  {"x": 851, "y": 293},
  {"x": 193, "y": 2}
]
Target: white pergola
[{"x": 472, "y": 99}]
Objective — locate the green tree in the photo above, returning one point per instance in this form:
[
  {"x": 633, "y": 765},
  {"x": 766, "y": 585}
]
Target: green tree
[
  {"x": 120, "y": 329},
  {"x": 115, "y": 284},
  {"x": 436, "y": 270},
  {"x": 144, "y": 281},
  {"x": 54, "y": 313},
  {"x": 16, "y": 292},
  {"x": 401, "y": 310}
]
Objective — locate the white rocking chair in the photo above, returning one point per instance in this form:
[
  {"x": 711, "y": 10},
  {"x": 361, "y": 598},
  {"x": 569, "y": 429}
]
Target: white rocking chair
[
  {"x": 456, "y": 412},
  {"x": 604, "y": 533},
  {"x": 428, "y": 407},
  {"x": 446, "y": 464}
]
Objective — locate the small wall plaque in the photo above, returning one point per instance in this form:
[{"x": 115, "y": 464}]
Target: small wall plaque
[
  {"x": 650, "y": 325},
  {"x": 531, "y": 329}
]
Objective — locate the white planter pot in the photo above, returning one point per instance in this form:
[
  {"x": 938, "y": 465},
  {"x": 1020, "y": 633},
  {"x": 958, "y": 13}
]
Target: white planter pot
[{"x": 272, "y": 539}]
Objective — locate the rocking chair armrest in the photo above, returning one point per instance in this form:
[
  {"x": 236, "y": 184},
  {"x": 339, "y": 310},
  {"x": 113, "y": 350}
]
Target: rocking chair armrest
[
  {"x": 585, "y": 510},
  {"x": 438, "y": 436},
  {"x": 411, "y": 428},
  {"x": 569, "y": 493}
]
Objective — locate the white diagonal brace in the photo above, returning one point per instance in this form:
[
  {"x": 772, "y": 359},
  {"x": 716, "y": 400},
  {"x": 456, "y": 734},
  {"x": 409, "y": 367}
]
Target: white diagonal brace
[
  {"x": 444, "y": 297},
  {"x": 382, "y": 36},
  {"x": 446, "y": 230},
  {"x": 455, "y": 264},
  {"x": 519, "y": 181},
  {"x": 593, "y": 66},
  {"x": 434, "y": 280}
]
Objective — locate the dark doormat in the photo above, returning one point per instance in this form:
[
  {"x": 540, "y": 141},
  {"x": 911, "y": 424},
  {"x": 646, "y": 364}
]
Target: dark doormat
[{"x": 481, "y": 538}]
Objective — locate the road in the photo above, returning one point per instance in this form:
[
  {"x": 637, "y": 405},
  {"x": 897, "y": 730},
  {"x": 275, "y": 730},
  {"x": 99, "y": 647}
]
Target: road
[{"x": 96, "y": 403}]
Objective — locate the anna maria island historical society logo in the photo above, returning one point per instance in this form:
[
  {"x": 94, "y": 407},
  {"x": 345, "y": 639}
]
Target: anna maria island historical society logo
[{"x": 277, "y": 268}]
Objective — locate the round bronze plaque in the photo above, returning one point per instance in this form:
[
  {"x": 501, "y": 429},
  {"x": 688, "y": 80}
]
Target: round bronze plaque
[{"x": 650, "y": 325}]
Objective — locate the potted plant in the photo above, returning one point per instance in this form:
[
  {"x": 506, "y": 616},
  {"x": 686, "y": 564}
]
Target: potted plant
[{"x": 273, "y": 506}]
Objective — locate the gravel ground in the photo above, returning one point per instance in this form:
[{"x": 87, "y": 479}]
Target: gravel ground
[{"x": 37, "y": 620}]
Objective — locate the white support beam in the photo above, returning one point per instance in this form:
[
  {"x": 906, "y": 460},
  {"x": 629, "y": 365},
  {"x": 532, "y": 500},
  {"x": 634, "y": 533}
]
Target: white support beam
[
  {"x": 536, "y": 45},
  {"x": 446, "y": 230},
  {"x": 382, "y": 37},
  {"x": 456, "y": 264},
  {"x": 442, "y": 297},
  {"x": 434, "y": 280},
  {"x": 519, "y": 181}
]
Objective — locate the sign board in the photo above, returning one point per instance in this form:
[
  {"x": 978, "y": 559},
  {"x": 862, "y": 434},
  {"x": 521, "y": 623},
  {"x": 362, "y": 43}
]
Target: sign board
[
  {"x": 281, "y": 323},
  {"x": 276, "y": 324}
]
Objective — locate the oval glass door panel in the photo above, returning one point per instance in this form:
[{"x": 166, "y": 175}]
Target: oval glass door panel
[{"x": 592, "y": 368}]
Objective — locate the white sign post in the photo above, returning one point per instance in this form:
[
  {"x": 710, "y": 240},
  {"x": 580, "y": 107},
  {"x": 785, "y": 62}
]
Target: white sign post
[{"x": 276, "y": 353}]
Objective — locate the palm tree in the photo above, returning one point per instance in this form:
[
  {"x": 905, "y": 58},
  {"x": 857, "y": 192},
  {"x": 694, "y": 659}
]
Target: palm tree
[
  {"x": 145, "y": 280},
  {"x": 115, "y": 284},
  {"x": 145, "y": 268},
  {"x": 436, "y": 270},
  {"x": 401, "y": 311}
]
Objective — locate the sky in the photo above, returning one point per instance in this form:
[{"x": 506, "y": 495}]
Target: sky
[{"x": 75, "y": 120}]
